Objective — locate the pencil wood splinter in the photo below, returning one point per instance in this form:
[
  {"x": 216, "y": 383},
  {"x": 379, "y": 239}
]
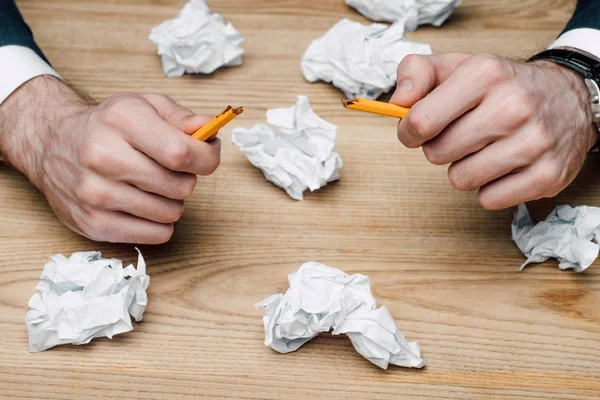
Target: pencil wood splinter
[
  {"x": 375, "y": 107},
  {"x": 218, "y": 122}
]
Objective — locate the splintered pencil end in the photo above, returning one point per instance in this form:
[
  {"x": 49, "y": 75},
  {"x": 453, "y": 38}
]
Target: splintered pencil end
[
  {"x": 212, "y": 127},
  {"x": 348, "y": 102},
  {"x": 223, "y": 112},
  {"x": 375, "y": 107}
]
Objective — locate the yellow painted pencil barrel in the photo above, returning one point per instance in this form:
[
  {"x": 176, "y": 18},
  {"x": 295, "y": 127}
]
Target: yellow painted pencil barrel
[
  {"x": 375, "y": 107},
  {"x": 218, "y": 122}
]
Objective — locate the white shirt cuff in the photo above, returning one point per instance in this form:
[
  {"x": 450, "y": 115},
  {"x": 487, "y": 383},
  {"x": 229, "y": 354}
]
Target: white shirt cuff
[
  {"x": 19, "y": 64},
  {"x": 585, "y": 39}
]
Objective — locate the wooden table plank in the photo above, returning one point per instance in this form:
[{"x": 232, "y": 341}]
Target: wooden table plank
[{"x": 445, "y": 268}]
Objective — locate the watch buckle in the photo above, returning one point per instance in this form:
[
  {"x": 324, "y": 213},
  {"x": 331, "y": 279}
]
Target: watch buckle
[{"x": 594, "y": 99}]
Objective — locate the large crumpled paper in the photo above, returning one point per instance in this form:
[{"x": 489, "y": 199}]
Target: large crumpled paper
[
  {"x": 321, "y": 298},
  {"x": 84, "y": 297},
  {"x": 360, "y": 60},
  {"x": 197, "y": 42},
  {"x": 298, "y": 154},
  {"x": 571, "y": 235},
  {"x": 412, "y": 12}
]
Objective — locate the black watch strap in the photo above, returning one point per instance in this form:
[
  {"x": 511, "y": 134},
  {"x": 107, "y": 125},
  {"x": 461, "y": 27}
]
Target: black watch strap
[{"x": 585, "y": 65}]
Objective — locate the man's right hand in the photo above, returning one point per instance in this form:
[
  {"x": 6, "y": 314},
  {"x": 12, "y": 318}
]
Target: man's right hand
[{"x": 118, "y": 171}]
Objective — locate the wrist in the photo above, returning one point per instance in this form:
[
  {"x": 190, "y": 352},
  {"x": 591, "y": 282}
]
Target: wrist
[
  {"x": 580, "y": 89},
  {"x": 580, "y": 96},
  {"x": 31, "y": 118}
]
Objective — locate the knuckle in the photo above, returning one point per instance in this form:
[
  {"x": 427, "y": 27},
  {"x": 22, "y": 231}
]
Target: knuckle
[
  {"x": 186, "y": 186},
  {"x": 537, "y": 142},
  {"x": 549, "y": 175},
  {"x": 112, "y": 115},
  {"x": 160, "y": 96},
  {"x": 176, "y": 156},
  {"x": 519, "y": 107},
  {"x": 117, "y": 110},
  {"x": 553, "y": 192},
  {"x": 544, "y": 139},
  {"x": 491, "y": 68},
  {"x": 163, "y": 235},
  {"x": 486, "y": 201},
  {"x": 97, "y": 228},
  {"x": 178, "y": 112},
  {"x": 410, "y": 61},
  {"x": 461, "y": 177},
  {"x": 95, "y": 156},
  {"x": 93, "y": 194},
  {"x": 82, "y": 222},
  {"x": 433, "y": 155},
  {"x": 420, "y": 123},
  {"x": 211, "y": 162},
  {"x": 174, "y": 212},
  {"x": 172, "y": 110}
]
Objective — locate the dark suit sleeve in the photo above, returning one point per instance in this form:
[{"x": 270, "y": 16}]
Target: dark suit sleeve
[
  {"x": 14, "y": 30},
  {"x": 586, "y": 15}
]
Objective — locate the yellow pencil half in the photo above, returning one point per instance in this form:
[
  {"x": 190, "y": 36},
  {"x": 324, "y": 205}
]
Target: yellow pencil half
[
  {"x": 376, "y": 107},
  {"x": 218, "y": 122}
]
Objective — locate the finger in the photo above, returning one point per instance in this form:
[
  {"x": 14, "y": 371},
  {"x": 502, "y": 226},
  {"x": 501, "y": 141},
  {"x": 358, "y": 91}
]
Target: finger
[
  {"x": 463, "y": 90},
  {"x": 462, "y": 137},
  {"x": 152, "y": 207},
  {"x": 118, "y": 227},
  {"x": 531, "y": 183},
  {"x": 494, "y": 161},
  {"x": 178, "y": 116},
  {"x": 116, "y": 160},
  {"x": 97, "y": 193},
  {"x": 418, "y": 75},
  {"x": 500, "y": 114},
  {"x": 146, "y": 131}
]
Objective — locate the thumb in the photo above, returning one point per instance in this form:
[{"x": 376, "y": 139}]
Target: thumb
[
  {"x": 418, "y": 75},
  {"x": 180, "y": 117}
]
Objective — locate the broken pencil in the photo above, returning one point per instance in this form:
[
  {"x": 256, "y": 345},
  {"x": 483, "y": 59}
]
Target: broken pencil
[
  {"x": 376, "y": 107},
  {"x": 213, "y": 126}
]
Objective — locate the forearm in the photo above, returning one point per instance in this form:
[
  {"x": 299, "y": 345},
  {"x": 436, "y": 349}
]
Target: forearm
[
  {"x": 30, "y": 99},
  {"x": 31, "y": 117}
]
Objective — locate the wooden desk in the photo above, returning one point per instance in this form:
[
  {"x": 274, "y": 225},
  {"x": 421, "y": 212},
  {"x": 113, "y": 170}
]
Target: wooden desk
[{"x": 446, "y": 269}]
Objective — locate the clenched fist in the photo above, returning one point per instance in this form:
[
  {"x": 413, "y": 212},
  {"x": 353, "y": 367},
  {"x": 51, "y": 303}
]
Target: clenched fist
[
  {"x": 118, "y": 171},
  {"x": 513, "y": 131}
]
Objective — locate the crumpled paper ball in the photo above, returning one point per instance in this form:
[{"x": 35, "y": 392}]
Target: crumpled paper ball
[
  {"x": 84, "y": 297},
  {"x": 297, "y": 154},
  {"x": 358, "y": 59},
  {"x": 569, "y": 234},
  {"x": 321, "y": 298},
  {"x": 197, "y": 42},
  {"x": 412, "y": 12}
]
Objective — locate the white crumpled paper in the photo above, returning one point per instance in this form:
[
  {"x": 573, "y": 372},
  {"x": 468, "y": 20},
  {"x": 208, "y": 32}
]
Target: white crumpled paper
[
  {"x": 84, "y": 297},
  {"x": 298, "y": 154},
  {"x": 412, "y": 12},
  {"x": 197, "y": 42},
  {"x": 571, "y": 235},
  {"x": 360, "y": 60},
  {"x": 321, "y": 298}
]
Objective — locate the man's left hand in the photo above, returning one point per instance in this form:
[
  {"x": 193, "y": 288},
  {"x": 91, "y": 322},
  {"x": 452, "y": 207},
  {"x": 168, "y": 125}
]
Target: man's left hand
[{"x": 514, "y": 131}]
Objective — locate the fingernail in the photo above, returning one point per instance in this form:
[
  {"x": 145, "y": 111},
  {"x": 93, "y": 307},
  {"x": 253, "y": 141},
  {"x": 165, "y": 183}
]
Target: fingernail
[{"x": 404, "y": 87}]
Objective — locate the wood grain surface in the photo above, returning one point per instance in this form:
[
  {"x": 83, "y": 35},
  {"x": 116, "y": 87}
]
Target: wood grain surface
[{"x": 446, "y": 269}]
